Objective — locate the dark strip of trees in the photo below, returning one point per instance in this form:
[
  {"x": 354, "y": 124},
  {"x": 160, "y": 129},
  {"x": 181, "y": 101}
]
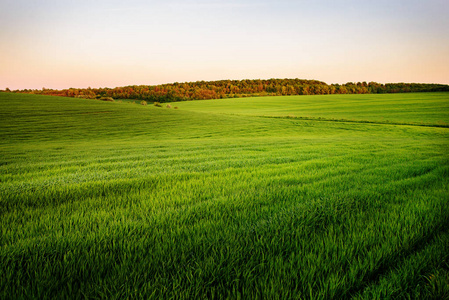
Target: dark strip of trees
[{"x": 201, "y": 90}]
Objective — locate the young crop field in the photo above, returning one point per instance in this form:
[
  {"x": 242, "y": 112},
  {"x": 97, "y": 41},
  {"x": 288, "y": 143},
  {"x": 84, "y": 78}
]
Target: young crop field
[{"x": 303, "y": 197}]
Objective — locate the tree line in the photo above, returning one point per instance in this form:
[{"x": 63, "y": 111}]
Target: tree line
[{"x": 201, "y": 90}]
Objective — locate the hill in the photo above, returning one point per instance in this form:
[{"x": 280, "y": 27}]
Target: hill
[{"x": 222, "y": 199}]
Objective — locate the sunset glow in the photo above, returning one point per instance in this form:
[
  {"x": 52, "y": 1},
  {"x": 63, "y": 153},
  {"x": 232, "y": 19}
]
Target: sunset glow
[{"x": 62, "y": 44}]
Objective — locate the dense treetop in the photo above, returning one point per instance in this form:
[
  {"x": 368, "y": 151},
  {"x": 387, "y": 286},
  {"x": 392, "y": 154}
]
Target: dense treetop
[{"x": 200, "y": 90}]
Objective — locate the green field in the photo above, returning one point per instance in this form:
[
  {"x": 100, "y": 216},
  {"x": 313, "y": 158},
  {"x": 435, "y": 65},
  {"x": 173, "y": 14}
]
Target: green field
[
  {"x": 304, "y": 197},
  {"x": 414, "y": 108}
]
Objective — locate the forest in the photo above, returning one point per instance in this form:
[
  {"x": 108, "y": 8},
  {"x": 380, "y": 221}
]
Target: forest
[{"x": 201, "y": 90}]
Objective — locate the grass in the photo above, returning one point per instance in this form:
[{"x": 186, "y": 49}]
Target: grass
[
  {"x": 412, "y": 108},
  {"x": 112, "y": 200}
]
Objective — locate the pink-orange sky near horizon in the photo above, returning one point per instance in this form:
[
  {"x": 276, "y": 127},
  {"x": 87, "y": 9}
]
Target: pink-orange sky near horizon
[{"x": 60, "y": 43}]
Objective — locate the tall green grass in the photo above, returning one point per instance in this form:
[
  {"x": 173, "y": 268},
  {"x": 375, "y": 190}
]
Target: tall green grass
[{"x": 118, "y": 200}]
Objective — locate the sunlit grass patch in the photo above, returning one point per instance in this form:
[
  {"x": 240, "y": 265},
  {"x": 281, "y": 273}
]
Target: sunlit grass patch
[{"x": 104, "y": 200}]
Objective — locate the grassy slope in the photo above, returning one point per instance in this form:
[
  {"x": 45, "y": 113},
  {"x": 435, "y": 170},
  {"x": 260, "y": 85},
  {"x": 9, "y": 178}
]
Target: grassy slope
[
  {"x": 414, "y": 108},
  {"x": 120, "y": 200}
]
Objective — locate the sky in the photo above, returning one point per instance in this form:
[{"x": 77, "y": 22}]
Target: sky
[{"x": 107, "y": 43}]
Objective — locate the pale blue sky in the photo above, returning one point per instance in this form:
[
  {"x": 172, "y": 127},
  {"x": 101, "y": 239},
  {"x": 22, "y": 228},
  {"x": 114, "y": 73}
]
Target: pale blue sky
[{"x": 61, "y": 44}]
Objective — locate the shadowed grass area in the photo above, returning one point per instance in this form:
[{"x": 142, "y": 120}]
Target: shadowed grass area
[{"x": 118, "y": 200}]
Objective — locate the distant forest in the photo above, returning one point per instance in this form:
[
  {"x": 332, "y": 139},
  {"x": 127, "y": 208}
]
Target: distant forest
[{"x": 201, "y": 90}]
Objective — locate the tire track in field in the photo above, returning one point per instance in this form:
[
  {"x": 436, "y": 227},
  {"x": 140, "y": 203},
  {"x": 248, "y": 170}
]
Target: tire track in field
[
  {"x": 398, "y": 258},
  {"x": 323, "y": 119}
]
